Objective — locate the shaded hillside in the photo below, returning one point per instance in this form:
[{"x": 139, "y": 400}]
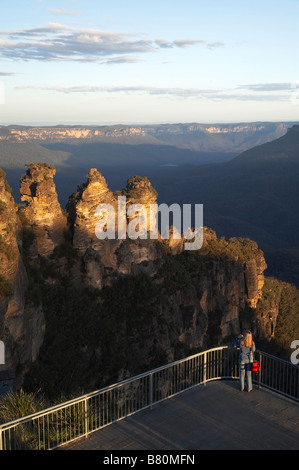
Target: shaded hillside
[
  {"x": 255, "y": 195},
  {"x": 15, "y": 155},
  {"x": 284, "y": 148},
  {"x": 117, "y": 161}
]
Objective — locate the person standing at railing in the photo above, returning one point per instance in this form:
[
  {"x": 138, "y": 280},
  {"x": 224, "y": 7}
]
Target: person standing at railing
[{"x": 247, "y": 348}]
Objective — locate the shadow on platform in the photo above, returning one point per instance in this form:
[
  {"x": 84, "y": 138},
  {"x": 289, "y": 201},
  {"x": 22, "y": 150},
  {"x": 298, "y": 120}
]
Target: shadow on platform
[{"x": 213, "y": 417}]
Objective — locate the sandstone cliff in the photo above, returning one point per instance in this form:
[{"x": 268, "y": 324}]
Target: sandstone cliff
[
  {"x": 82, "y": 208},
  {"x": 43, "y": 211},
  {"x": 114, "y": 307},
  {"x": 215, "y": 289},
  {"x": 102, "y": 258},
  {"x": 21, "y": 326},
  {"x": 196, "y": 136}
]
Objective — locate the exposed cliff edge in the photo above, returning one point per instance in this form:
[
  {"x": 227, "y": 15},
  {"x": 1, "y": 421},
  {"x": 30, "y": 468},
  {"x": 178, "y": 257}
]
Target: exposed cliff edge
[
  {"x": 21, "y": 325},
  {"x": 114, "y": 307}
]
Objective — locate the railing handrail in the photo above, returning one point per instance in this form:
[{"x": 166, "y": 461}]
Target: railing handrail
[
  {"x": 117, "y": 401},
  {"x": 278, "y": 359},
  {"x": 73, "y": 401}
]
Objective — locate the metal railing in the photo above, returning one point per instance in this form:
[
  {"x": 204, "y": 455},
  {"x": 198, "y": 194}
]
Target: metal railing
[
  {"x": 278, "y": 375},
  {"x": 77, "y": 418}
]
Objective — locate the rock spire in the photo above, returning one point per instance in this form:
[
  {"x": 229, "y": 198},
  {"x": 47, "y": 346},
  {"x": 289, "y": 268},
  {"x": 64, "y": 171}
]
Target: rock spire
[{"x": 42, "y": 210}]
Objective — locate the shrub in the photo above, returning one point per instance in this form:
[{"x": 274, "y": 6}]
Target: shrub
[{"x": 17, "y": 405}]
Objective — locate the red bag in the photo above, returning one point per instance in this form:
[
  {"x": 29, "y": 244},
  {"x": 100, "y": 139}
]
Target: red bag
[{"x": 256, "y": 367}]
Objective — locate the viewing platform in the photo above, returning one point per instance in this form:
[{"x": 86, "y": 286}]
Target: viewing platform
[
  {"x": 191, "y": 404},
  {"x": 213, "y": 417}
]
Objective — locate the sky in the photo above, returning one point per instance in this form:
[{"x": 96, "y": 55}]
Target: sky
[{"x": 148, "y": 61}]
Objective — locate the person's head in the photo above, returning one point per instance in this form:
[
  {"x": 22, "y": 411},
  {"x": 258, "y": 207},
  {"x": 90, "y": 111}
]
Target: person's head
[{"x": 247, "y": 339}]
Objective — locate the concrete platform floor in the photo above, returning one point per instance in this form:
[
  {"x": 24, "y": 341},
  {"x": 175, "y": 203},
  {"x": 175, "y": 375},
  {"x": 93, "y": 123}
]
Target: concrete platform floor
[{"x": 215, "y": 417}]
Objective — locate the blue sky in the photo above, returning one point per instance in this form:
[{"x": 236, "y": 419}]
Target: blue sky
[{"x": 117, "y": 61}]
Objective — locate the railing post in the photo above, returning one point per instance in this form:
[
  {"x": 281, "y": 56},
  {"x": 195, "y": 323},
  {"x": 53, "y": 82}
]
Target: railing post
[
  {"x": 151, "y": 390},
  {"x": 1, "y": 444},
  {"x": 205, "y": 368},
  {"x": 86, "y": 417},
  {"x": 260, "y": 373}
]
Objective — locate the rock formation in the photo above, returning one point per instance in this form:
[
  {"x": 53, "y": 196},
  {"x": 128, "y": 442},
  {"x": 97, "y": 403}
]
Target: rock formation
[
  {"x": 202, "y": 299},
  {"x": 43, "y": 211},
  {"x": 254, "y": 276},
  {"x": 82, "y": 209},
  {"x": 226, "y": 280},
  {"x": 21, "y": 325},
  {"x": 140, "y": 191},
  {"x": 106, "y": 253}
]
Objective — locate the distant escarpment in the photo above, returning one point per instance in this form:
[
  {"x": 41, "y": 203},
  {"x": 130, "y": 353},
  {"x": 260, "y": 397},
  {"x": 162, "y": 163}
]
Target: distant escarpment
[
  {"x": 201, "y": 137},
  {"x": 79, "y": 311}
]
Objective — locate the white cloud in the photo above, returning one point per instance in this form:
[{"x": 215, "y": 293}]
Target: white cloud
[
  {"x": 183, "y": 43},
  {"x": 57, "y": 11},
  {"x": 163, "y": 43},
  {"x": 56, "y": 41},
  {"x": 7, "y": 74},
  {"x": 187, "y": 42},
  {"x": 53, "y": 28},
  {"x": 215, "y": 45},
  {"x": 176, "y": 92},
  {"x": 183, "y": 92},
  {"x": 267, "y": 87},
  {"x": 5, "y": 43}
]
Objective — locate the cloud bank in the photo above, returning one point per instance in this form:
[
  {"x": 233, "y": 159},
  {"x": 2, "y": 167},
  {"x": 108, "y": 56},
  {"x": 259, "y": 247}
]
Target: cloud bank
[
  {"x": 58, "y": 42},
  {"x": 179, "y": 92},
  {"x": 241, "y": 93}
]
